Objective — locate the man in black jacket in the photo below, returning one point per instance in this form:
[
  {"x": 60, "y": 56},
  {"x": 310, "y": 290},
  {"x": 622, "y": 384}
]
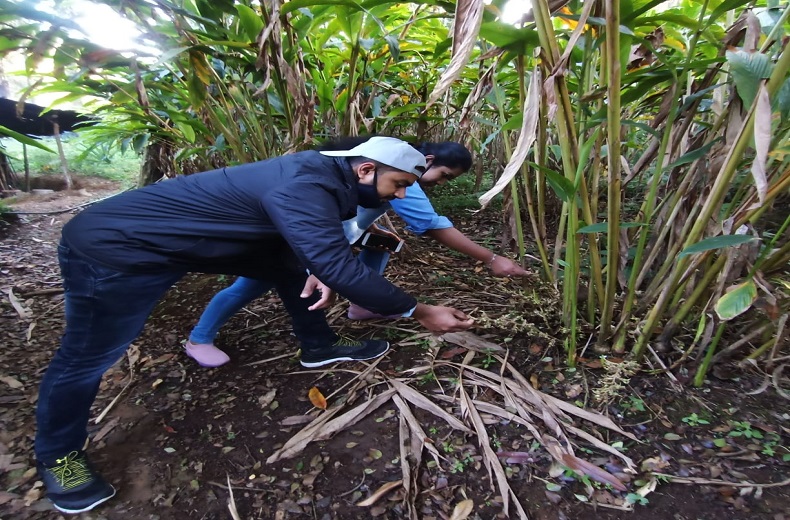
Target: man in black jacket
[{"x": 269, "y": 220}]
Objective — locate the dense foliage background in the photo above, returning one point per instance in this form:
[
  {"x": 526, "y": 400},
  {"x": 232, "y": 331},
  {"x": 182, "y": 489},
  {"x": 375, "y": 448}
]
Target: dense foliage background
[{"x": 640, "y": 145}]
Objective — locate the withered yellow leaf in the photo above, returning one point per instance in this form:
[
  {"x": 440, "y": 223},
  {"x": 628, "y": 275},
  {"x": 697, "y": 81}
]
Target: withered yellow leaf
[{"x": 317, "y": 398}]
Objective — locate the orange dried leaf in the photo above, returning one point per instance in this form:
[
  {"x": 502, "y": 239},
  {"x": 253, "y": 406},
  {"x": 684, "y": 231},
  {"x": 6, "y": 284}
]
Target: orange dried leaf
[{"x": 317, "y": 398}]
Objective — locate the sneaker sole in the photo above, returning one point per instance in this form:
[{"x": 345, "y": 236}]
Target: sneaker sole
[
  {"x": 206, "y": 365},
  {"x": 77, "y": 511},
  {"x": 316, "y": 364}
]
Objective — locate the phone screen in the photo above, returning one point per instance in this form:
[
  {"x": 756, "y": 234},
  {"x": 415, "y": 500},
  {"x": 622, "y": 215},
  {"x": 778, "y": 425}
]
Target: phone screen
[{"x": 373, "y": 240}]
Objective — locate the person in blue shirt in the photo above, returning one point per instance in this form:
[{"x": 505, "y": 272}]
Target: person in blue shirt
[{"x": 445, "y": 161}]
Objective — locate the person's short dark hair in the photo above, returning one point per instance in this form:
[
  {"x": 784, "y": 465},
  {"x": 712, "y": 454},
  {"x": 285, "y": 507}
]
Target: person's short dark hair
[
  {"x": 445, "y": 153},
  {"x": 342, "y": 143}
]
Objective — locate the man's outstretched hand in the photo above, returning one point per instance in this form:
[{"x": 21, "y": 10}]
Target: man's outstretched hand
[
  {"x": 505, "y": 267},
  {"x": 441, "y": 319}
]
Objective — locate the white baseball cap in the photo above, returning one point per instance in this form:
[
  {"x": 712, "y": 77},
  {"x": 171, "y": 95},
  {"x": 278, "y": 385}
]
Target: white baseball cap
[{"x": 387, "y": 150}]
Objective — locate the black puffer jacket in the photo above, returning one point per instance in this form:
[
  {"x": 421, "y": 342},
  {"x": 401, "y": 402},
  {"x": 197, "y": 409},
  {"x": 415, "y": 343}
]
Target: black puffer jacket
[{"x": 258, "y": 220}]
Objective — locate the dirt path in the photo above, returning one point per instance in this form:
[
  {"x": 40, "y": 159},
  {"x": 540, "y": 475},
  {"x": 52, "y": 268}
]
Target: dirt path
[{"x": 179, "y": 433}]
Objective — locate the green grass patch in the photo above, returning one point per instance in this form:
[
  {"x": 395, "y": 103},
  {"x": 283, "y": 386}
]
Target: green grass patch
[
  {"x": 460, "y": 195},
  {"x": 100, "y": 160}
]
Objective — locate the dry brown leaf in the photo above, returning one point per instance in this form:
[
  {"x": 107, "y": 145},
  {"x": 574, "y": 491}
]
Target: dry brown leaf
[
  {"x": 515, "y": 457},
  {"x": 265, "y": 400},
  {"x": 560, "y": 64},
  {"x": 324, "y": 428},
  {"x": 234, "y": 512},
  {"x": 466, "y": 26},
  {"x": 481, "y": 89},
  {"x": 525, "y": 139},
  {"x": 417, "y": 399},
  {"x": 583, "y": 467},
  {"x": 462, "y": 510},
  {"x": 493, "y": 409},
  {"x": 107, "y": 428},
  {"x": 471, "y": 341},
  {"x": 296, "y": 419},
  {"x": 409, "y": 487},
  {"x": 418, "y": 434},
  {"x": 33, "y": 494},
  {"x": 489, "y": 457},
  {"x": 23, "y": 312},
  {"x": 631, "y": 466},
  {"x": 30, "y": 329},
  {"x": 317, "y": 398},
  {"x": 380, "y": 492},
  {"x": 515, "y": 392},
  {"x": 12, "y": 382},
  {"x": 776, "y": 378},
  {"x": 587, "y": 415}
]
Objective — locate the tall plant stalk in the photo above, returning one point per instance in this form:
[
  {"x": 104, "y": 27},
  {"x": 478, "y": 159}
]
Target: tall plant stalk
[
  {"x": 612, "y": 61},
  {"x": 717, "y": 194}
]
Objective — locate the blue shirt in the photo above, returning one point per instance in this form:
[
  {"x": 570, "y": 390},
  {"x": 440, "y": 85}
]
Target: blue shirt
[
  {"x": 415, "y": 209},
  {"x": 418, "y": 213}
]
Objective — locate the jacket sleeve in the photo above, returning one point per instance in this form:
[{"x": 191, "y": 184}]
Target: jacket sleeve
[{"x": 307, "y": 215}]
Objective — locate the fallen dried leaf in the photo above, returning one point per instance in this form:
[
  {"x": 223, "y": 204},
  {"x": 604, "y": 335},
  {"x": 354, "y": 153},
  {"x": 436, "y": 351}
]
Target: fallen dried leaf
[
  {"x": 515, "y": 457},
  {"x": 380, "y": 492},
  {"x": 266, "y": 399},
  {"x": 317, "y": 398},
  {"x": 462, "y": 510},
  {"x": 12, "y": 382},
  {"x": 591, "y": 470},
  {"x": 23, "y": 312},
  {"x": 296, "y": 419}
]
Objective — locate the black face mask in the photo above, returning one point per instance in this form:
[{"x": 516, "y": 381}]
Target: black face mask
[{"x": 369, "y": 194}]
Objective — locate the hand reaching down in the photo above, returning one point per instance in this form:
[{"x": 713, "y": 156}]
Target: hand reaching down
[
  {"x": 441, "y": 319},
  {"x": 505, "y": 267}
]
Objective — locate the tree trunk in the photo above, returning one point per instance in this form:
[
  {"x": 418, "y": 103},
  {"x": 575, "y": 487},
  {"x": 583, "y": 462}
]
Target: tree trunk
[
  {"x": 158, "y": 163},
  {"x": 63, "y": 163},
  {"x": 7, "y": 176},
  {"x": 27, "y": 168}
]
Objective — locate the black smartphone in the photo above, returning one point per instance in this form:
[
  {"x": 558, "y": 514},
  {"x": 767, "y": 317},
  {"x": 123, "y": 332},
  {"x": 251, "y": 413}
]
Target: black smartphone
[{"x": 374, "y": 241}]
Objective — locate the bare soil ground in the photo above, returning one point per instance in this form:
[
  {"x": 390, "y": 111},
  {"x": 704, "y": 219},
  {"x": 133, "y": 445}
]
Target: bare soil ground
[{"x": 177, "y": 439}]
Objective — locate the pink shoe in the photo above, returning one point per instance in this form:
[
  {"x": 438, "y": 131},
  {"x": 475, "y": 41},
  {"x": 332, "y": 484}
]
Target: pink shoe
[
  {"x": 355, "y": 312},
  {"x": 206, "y": 354}
]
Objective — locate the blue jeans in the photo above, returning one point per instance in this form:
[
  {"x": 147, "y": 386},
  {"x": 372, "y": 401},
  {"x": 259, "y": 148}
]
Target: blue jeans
[
  {"x": 310, "y": 327},
  {"x": 232, "y": 299},
  {"x": 375, "y": 259},
  {"x": 105, "y": 311}
]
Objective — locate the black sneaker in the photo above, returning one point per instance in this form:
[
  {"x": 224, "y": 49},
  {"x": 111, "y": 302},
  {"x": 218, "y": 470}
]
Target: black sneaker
[
  {"x": 72, "y": 484},
  {"x": 344, "y": 349}
]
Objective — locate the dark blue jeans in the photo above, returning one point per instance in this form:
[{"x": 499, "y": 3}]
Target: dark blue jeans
[{"x": 105, "y": 311}]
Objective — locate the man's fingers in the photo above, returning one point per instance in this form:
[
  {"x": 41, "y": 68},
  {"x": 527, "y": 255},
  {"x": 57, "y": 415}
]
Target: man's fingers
[
  {"x": 463, "y": 325},
  {"x": 323, "y": 302},
  {"x": 310, "y": 286},
  {"x": 460, "y": 315}
]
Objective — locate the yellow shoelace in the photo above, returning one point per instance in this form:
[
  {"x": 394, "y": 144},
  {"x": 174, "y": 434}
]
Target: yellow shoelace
[
  {"x": 71, "y": 471},
  {"x": 343, "y": 341}
]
